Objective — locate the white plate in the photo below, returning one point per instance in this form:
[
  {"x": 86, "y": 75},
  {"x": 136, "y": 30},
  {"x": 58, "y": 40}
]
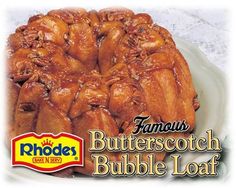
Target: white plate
[{"x": 209, "y": 82}]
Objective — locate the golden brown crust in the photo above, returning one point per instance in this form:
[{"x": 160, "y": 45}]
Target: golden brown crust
[{"x": 95, "y": 70}]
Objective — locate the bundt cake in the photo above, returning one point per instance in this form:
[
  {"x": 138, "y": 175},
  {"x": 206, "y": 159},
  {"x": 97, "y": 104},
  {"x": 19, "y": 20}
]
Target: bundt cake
[{"x": 72, "y": 70}]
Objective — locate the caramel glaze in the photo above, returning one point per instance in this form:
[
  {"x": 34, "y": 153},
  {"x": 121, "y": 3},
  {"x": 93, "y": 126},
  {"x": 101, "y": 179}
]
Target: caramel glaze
[{"x": 72, "y": 70}]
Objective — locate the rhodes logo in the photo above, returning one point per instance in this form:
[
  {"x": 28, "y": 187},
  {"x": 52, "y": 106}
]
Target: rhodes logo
[{"x": 47, "y": 152}]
